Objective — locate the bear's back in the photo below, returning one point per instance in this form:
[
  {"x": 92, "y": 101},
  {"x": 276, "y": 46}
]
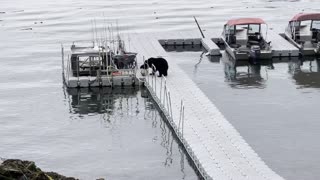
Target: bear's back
[{"x": 158, "y": 62}]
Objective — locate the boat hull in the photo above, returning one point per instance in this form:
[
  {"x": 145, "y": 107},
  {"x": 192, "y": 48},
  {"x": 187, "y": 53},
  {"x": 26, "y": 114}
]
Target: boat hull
[{"x": 242, "y": 55}]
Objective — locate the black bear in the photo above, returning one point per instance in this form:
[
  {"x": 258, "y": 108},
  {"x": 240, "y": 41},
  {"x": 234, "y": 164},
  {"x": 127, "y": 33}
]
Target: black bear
[{"x": 160, "y": 65}]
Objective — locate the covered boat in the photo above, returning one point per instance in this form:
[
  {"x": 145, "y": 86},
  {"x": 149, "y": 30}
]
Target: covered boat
[
  {"x": 244, "y": 39},
  {"x": 304, "y": 32}
]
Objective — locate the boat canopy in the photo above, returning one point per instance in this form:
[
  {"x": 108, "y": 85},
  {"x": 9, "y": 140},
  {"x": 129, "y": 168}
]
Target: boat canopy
[
  {"x": 306, "y": 17},
  {"x": 243, "y": 21}
]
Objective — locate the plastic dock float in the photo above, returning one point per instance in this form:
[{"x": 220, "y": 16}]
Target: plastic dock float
[
  {"x": 211, "y": 47},
  {"x": 188, "y": 38},
  {"x": 123, "y": 78},
  {"x": 88, "y": 81},
  {"x": 214, "y": 145},
  {"x": 281, "y": 47},
  {"x": 208, "y": 44}
]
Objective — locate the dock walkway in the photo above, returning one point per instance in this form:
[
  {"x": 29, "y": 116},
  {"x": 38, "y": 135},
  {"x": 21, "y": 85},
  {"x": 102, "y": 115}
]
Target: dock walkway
[{"x": 215, "y": 146}]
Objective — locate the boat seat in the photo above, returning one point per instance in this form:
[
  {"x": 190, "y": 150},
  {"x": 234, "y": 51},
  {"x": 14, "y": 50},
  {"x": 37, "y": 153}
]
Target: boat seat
[
  {"x": 252, "y": 42},
  {"x": 305, "y": 33},
  {"x": 232, "y": 39},
  {"x": 315, "y": 35},
  {"x": 235, "y": 45},
  {"x": 242, "y": 37}
]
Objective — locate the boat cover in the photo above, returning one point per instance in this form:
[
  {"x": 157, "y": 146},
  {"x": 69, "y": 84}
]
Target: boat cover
[
  {"x": 242, "y": 21},
  {"x": 306, "y": 17}
]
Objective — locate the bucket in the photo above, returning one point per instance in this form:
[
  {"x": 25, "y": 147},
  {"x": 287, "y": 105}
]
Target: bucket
[{"x": 144, "y": 72}]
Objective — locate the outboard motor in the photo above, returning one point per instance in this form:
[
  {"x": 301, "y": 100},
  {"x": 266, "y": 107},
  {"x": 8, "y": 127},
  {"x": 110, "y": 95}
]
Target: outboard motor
[{"x": 254, "y": 53}]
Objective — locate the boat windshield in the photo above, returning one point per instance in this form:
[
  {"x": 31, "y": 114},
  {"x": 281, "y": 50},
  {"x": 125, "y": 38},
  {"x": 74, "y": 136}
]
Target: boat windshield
[
  {"x": 254, "y": 29},
  {"x": 315, "y": 25},
  {"x": 229, "y": 30},
  {"x": 241, "y": 27},
  {"x": 305, "y": 23}
]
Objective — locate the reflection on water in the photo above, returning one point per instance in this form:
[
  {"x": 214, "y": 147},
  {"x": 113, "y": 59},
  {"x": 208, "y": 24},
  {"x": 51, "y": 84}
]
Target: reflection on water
[
  {"x": 243, "y": 74},
  {"x": 138, "y": 136},
  {"x": 305, "y": 73},
  {"x": 100, "y": 100}
]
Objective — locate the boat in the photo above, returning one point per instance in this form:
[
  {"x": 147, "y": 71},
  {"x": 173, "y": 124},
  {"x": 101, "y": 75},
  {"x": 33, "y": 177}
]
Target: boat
[
  {"x": 98, "y": 64},
  {"x": 96, "y": 60},
  {"x": 244, "y": 39},
  {"x": 303, "y": 31}
]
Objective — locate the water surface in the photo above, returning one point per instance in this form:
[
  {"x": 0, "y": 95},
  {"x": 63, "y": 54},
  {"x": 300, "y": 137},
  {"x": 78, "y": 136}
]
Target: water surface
[{"x": 275, "y": 110}]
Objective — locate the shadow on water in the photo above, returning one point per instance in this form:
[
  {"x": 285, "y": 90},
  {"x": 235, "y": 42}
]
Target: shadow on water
[{"x": 131, "y": 105}]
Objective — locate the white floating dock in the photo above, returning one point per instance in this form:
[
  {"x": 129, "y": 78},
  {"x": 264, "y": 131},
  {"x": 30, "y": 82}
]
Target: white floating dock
[
  {"x": 281, "y": 47},
  {"x": 211, "y": 47},
  {"x": 217, "y": 149},
  {"x": 215, "y": 146}
]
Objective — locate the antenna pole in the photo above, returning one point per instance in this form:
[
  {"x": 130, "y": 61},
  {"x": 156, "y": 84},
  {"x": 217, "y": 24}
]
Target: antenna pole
[{"x": 198, "y": 26}]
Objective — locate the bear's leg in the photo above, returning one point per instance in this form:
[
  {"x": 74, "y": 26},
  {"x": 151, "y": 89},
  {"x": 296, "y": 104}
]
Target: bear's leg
[{"x": 165, "y": 73}]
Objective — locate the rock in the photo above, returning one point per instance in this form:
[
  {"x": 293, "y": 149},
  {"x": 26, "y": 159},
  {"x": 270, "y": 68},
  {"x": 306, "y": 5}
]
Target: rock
[{"x": 12, "y": 169}]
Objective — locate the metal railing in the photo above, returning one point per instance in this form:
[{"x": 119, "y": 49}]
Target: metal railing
[
  {"x": 158, "y": 88},
  {"x": 160, "y": 92}
]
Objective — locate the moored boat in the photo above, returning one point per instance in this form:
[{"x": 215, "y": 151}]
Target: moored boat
[
  {"x": 244, "y": 39},
  {"x": 303, "y": 31}
]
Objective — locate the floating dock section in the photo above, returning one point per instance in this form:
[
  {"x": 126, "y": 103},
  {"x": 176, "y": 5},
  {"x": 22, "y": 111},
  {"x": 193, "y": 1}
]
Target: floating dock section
[
  {"x": 215, "y": 146},
  {"x": 280, "y": 46},
  {"x": 124, "y": 78}
]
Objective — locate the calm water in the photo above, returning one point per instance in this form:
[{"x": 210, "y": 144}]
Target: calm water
[
  {"x": 110, "y": 133},
  {"x": 275, "y": 110},
  {"x": 274, "y": 106}
]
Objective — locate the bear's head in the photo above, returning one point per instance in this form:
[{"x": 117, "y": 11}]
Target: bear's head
[{"x": 145, "y": 65}]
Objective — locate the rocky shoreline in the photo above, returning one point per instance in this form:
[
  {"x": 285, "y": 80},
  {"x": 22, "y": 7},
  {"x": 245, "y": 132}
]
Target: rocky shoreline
[{"x": 12, "y": 169}]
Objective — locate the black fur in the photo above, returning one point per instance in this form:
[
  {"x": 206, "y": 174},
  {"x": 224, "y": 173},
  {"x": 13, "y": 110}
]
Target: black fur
[{"x": 160, "y": 64}]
